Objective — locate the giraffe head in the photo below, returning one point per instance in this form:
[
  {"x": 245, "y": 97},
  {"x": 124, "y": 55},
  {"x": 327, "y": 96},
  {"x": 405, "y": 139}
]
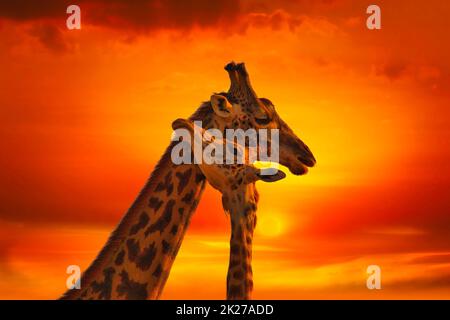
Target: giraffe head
[
  {"x": 241, "y": 108},
  {"x": 227, "y": 178}
]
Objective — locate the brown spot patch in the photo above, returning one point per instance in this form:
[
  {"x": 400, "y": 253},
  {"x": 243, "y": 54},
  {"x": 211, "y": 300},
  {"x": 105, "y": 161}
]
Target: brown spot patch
[
  {"x": 188, "y": 197},
  {"x": 143, "y": 220},
  {"x": 234, "y": 249},
  {"x": 145, "y": 259},
  {"x": 166, "y": 184},
  {"x": 133, "y": 249},
  {"x": 174, "y": 229},
  {"x": 165, "y": 246},
  {"x": 158, "y": 271},
  {"x": 199, "y": 177},
  {"x": 104, "y": 288},
  {"x": 163, "y": 220},
  {"x": 120, "y": 257},
  {"x": 234, "y": 263},
  {"x": 234, "y": 291},
  {"x": 239, "y": 275},
  {"x": 155, "y": 203},
  {"x": 194, "y": 204},
  {"x": 183, "y": 178},
  {"x": 132, "y": 290}
]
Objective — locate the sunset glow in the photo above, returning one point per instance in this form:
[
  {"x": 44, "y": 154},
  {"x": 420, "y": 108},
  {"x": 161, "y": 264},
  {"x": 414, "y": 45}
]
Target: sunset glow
[{"x": 85, "y": 115}]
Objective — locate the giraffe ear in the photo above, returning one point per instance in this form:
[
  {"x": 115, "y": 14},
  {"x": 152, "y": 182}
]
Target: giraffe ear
[
  {"x": 221, "y": 106},
  {"x": 271, "y": 175}
]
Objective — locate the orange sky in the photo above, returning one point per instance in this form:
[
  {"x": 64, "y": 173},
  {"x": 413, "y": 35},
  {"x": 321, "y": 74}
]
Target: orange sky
[{"x": 85, "y": 114}]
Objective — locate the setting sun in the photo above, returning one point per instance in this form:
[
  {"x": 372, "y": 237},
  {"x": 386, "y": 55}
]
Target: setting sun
[{"x": 271, "y": 224}]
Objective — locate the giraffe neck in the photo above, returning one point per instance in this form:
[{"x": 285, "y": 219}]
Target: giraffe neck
[
  {"x": 136, "y": 261},
  {"x": 242, "y": 212}
]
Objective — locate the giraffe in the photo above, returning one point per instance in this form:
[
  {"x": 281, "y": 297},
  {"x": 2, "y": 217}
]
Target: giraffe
[
  {"x": 236, "y": 183},
  {"x": 136, "y": 260}
]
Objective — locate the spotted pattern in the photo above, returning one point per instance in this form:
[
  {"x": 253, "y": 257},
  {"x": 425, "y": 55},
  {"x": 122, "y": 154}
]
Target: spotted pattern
[{"x": 240, "y": 272}]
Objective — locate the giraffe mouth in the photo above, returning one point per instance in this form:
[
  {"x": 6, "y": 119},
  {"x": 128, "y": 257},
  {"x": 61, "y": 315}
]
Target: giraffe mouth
[
  {"x": 299, "y": 169},
  {"x": 300, "y": 165}
]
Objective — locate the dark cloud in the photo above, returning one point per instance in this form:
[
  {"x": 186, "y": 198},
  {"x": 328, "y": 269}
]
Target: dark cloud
[
  {"x": 302, "y": 6},
  {"x": 48, "y": 17},
  {"x": 50, "y": 37},
  {"x": 434, "y": 281},
  {"x": 275, "y": 20},
  {"x": 170, "y": 14},
  {"x": 146, "y": 15},
  {"x": 30, "y": 10},
  {"x": 392, "y": 70},
  {"x": 138, "y": 14}
]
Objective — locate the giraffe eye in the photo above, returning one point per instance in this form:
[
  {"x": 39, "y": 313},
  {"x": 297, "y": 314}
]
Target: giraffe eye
[{"x": 263, "y": 121}]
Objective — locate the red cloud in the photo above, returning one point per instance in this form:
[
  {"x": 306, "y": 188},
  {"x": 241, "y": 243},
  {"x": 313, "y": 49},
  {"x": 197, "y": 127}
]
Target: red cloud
[
  {"x": 137, "y": 14},
  {"x": 392, "y": 70},
  {"x": 146, "y": 15},
  {"x": 51, "y": 37}
]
